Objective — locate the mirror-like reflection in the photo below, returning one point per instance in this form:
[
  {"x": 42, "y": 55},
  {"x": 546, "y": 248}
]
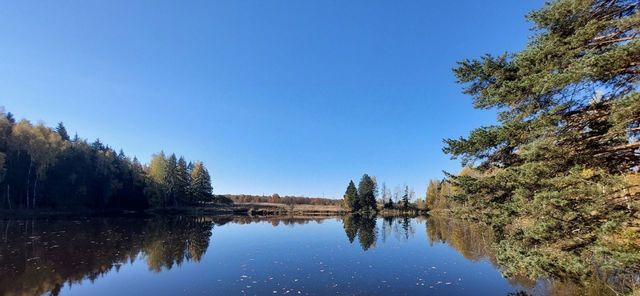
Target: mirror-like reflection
[
  {"x": 478, "y": 242},
  {"x": 252, "y": 255},
  {"x": 40, "y": 255}
]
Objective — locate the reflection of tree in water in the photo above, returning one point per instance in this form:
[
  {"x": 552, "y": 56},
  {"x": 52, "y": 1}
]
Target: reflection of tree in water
[
  {"x": 169, "y": 242},
  {"x": 277, "y": 220},
  {"x": 387, "y": 224},
  {"x": 351, "y": 224},
  {"x": 402, "y": 228},
  {"x": 39, "y": 256},
  {"x": 473, "y": 240},
  {"x": 477, "y": 241},
  {"x": 364, "y": 226},
  {"x": 367, "y": 232}
]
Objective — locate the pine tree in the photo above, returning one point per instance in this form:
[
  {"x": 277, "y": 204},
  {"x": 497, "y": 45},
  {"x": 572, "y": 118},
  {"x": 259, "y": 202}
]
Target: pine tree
[
  {"x": 351, "y": 200},
  {"x": 554, "y": 169},
  {"x": 366, "y": 193}
]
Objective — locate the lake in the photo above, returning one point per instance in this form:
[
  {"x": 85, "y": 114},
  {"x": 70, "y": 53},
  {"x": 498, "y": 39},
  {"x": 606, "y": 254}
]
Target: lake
[{"x": 203, "y": 255}]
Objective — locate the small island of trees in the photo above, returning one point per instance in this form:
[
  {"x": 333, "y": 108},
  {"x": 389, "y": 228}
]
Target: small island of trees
[{"x": 367, "y": 198}]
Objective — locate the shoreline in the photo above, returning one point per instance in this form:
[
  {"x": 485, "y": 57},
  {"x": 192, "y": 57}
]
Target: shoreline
[{"x": 240, "y": 209}]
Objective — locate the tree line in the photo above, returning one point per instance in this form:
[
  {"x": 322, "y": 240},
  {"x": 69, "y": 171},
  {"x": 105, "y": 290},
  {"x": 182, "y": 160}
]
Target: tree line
[
  {"x": 558, "y": 174},
  {"x": 43, "y": 167},
  {"x": 276, "y": 198}
]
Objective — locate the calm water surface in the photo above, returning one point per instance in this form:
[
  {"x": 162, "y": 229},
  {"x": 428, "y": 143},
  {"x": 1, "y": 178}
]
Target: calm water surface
[{"x": 179, "y": 255}]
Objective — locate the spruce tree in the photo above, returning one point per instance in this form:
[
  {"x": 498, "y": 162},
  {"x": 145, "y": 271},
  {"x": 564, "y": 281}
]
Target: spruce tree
[
  {"x": 183, "y": 181},
  {"x": 405, "y": 197},
  {"x": 366, "y": 193},
  {"x": 351, "y": 200},
  {"x": 62, "y": 131},
  {"x": 171, "y": 179},
  {"x": 200, "y": 183}
]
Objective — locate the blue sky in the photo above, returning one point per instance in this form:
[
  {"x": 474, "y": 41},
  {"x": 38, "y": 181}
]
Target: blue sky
[{"x": 294, "y": 97}]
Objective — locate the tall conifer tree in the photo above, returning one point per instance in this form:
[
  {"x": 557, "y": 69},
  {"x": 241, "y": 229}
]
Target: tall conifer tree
[
  {"x": 366, "y": 193},
  {"x": 200, "y": 183},
  {"x": 351, "y": 199},
  {"x": 558, "y": 168}
]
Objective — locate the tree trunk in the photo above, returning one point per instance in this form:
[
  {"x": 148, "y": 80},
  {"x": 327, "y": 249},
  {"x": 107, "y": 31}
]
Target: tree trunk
[
  {"x": 6, "y": 231},
  {"x": 175, "y": 201},
  {"x": 9, "y": 196},
  {"x": 28, "y": 177},
  {"x": 35, "y": 187}
]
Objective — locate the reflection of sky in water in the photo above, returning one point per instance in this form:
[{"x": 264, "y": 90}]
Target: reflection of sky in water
[{"x": 314, "y": 258}]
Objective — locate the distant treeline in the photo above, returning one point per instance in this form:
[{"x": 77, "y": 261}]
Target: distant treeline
[
  {"x": 43, "y": 167},
  {"x": 276, "y": 198}
]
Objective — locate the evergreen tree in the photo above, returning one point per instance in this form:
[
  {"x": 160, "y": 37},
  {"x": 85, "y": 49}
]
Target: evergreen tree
[
  {"x": 405, "y": 197},
  {"x": 182, "y": 182},
  {"x": 62, "y": 131},
  {"x": 200, "y": 183},
  {"x": 41, "y": 168},
  {"x": 10, "y": 118},
  {"x": 351, "y": 200},
  {"x": 171, "y": 179},
  {"x": 366, "y": 193},
  {"x": 555, "y": 170}
]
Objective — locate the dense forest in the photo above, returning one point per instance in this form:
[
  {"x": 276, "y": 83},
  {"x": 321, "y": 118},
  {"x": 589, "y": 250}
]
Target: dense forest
[
  {"x": 557, "y": 176},
  {"x": 43, "y": 167}
]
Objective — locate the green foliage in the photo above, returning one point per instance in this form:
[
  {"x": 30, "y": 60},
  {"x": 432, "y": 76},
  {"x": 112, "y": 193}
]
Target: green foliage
[
  {"x": 351, "y": 199},
  {"x": 405, "y": 198},
  {"x": 182, "y": 182},
  {"x": 552, "y": 174},
  {"x": 200, "y": 183},
  {"x": 42, "y": 167},
  {"x": 442, "y": 195},
  {"x": 62, "y": 131},
  {"x": 362, "y": 226},
  {"x": 367, "y": 193}
]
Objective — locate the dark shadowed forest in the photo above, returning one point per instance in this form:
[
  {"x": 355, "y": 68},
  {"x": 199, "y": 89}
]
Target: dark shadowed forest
[{"x": 43, "y": 167}]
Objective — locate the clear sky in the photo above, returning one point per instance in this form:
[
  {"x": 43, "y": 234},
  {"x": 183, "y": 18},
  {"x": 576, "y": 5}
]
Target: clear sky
[{"x": 294, "y": 97}]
